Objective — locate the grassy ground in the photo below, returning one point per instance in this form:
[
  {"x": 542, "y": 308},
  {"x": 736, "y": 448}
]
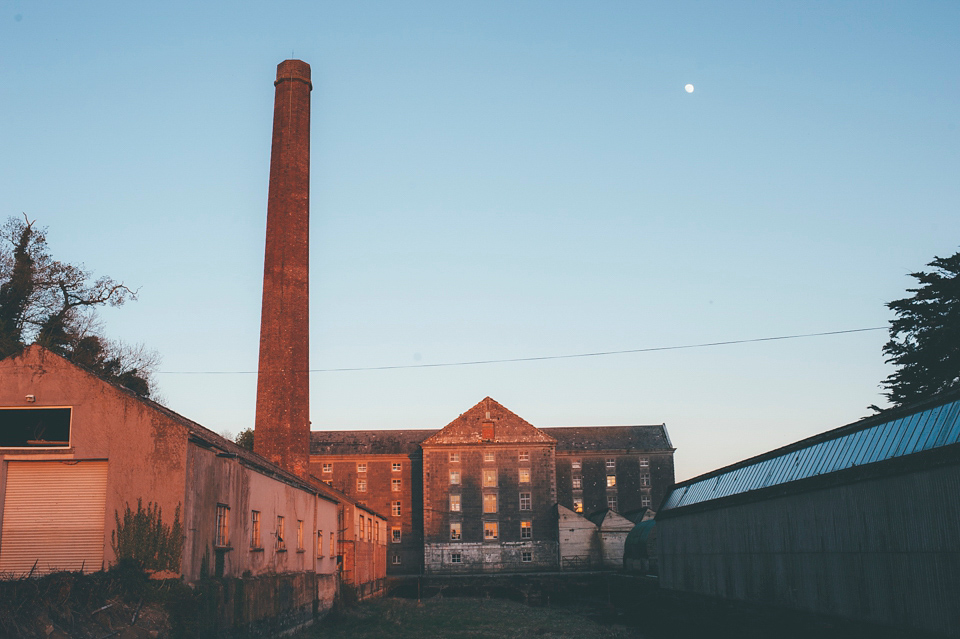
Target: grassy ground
[{"x": 461, "y": 618}]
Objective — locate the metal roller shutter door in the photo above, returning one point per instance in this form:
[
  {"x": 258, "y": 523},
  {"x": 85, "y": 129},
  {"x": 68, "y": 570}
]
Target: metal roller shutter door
[{"x": 53, "y": 516}]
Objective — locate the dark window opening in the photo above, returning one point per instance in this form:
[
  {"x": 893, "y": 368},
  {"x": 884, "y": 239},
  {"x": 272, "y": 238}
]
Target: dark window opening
[{"x": 35, "y": 428}]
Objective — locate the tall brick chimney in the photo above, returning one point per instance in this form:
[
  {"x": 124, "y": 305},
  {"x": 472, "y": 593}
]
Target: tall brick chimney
[{"x": 283, "y": 384}]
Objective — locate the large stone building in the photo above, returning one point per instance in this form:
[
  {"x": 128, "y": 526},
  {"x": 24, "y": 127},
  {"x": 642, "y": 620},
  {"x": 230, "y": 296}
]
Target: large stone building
[{"x": 483, "y": 492}]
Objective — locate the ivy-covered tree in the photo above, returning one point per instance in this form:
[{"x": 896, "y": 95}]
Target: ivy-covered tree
[
  {"x": 54, "y": 304},
  {"x": 925, "y": 336}
]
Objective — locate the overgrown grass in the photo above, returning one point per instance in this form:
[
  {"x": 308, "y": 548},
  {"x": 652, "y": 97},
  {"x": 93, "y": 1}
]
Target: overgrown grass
[{"x": 460, "y": 618}]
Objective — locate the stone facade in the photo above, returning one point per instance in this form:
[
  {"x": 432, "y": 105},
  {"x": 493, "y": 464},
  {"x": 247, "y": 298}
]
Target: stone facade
[
  {"x": 426, "y": 511},
  {"x": 381, "y": 470},
  {"x": 489, "y": 489}
]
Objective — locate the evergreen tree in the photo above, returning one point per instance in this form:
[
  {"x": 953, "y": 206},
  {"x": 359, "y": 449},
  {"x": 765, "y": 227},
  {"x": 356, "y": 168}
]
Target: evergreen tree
[
  {"x": 245, "y": 439},
  {"x": 925, "y": 336}
]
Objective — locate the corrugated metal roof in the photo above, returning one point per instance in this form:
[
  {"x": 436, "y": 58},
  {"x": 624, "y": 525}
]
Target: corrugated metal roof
[{"x": 851, "y": 446}]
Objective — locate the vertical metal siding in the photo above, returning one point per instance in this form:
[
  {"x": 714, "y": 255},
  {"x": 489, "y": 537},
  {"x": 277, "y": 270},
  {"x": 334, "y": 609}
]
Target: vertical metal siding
[
  {"x": 885, "y": 550},
  {"x": 53, "y": 516}
]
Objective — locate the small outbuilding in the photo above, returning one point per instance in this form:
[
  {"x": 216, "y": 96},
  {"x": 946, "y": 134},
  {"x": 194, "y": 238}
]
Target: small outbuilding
[{"x": 612, "y": 529}]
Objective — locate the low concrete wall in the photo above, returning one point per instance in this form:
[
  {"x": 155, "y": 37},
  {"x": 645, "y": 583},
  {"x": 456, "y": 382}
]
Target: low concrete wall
[
  {"x": 485, "y": 557},
  {"x": 268, "y": 605}
]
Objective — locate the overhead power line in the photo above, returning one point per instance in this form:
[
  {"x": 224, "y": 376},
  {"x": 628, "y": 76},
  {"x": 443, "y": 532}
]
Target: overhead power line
[{"x": 541, "y": 358}]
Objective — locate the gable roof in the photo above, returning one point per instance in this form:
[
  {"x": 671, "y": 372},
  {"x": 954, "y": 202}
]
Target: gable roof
[
  {"x": 508, "y": 427},
  {"x": 596, "y": 438},
  {"x": 37, "y": 355},
  {"x": 611, "y": 521}
]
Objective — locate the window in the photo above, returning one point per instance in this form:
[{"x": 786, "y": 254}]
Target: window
[
  {"x": 611, "y": 463},
  {"x": 361, "y": 485},
  {"x": 328, "y": 468},
  {"x": 281, "y": 541},
  {"x": 455, "y": 457},
  {"x": 222, "y": 539},
  {"x": 526, "y": 503},
  {"x": 299, "y": 535},
  {"x": 319, "y": 543},
  {"x": 397, "y": 467},
  {"x": 644, "y": 479},
  {"x": 526, "y": 556},
  {"x": 490, "y": 456},
  {"x": 455, "y": 531},
  {"x": 575, "y": 464},
  {"x": 612, "y": 502},
  {"x": 489, "y": 503},
  {"x": 361, "y": 467},
  {"x": 526, "y": 530},
  {"x": 524, "y": 475},
  {"x": 395, "y": 485},
  {"x": 454, "y": 476},
  {"x": 331, "y": 544},
  {"x": 376, "y": 532},
  {"x": 456, "y": 558},
  {"x": 645, "y": 500},
  {"x": 578, "y": 505},
  {"x": 395, "y": 534},
  {"x": 362, "y": 528},
  {"x": 395, "y": 508},
  {"x": 255, "y": 529},
  {"x": 369, "y": 529},
  {"x": 524, "y": 455},
  {"x": 489, "y": 477},
  {"x": 611, "y": 481},
  {"x": 35, "y": 427},
  {"x": 454, "y": 503},
  {"x": 490, "y": 530},
  {"x": 577, "y": 482},
  {"x": 396, "y": 560},
  {"x": 644, "y": 462}
]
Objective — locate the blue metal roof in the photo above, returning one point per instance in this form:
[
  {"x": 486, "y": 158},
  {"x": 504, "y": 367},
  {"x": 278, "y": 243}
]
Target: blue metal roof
[{"x": 923, "y": 430}]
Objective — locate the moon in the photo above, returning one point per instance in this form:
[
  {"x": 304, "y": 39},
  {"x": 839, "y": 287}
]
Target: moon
[{"x": 688, "y": 88}]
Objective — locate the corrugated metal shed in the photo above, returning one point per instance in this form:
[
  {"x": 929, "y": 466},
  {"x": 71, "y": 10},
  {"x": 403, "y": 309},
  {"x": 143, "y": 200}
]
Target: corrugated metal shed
[
  {"x": 848, "y": 447},
  {"x": 861, "y": 522}
]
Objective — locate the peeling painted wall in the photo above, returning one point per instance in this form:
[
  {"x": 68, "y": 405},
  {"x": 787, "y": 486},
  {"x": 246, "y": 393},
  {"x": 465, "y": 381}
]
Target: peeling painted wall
[
  {"x": 213, "y": 480},
  {"x": 145, "y": 450}
]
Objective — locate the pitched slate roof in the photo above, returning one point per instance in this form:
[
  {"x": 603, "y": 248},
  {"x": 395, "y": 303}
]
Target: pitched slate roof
[
  {"x": 596, "y": 438},
  {"x": 508, "y": 427},
  {"x": 367, "y": 442}
]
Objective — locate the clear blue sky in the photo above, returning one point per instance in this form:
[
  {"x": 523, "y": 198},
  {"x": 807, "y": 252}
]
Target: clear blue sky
[{"x": 505, "y": 179}]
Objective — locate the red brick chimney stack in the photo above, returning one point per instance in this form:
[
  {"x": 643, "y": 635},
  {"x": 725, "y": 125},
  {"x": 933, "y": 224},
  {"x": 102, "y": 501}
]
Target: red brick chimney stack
[{"x": 283, "y": 384}]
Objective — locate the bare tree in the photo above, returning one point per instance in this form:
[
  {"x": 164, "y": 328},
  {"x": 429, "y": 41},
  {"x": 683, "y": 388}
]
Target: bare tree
[{"x": 54, "y": 304}]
